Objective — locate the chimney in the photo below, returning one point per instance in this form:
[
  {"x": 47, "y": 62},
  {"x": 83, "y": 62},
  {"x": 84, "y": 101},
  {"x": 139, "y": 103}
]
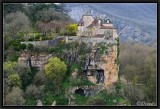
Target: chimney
[{"x": 99, "y": 21}]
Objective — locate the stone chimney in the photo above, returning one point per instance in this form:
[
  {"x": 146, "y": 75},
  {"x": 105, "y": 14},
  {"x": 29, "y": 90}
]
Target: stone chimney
[{"x": 99, "y": 21}]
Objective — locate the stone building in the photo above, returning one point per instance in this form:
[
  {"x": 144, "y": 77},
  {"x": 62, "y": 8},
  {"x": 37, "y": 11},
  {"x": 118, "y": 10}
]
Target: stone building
[{"x": 96, "y": 27}]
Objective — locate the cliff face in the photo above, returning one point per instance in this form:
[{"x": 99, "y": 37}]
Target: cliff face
[
  {"x": 104, "y": 69},
  {"x": 110, "y": 67}
]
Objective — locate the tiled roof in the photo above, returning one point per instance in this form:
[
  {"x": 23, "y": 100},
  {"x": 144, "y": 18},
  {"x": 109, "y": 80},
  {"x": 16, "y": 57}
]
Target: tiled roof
[
  {"x": 94, "y": 23},
  {"x": 107, "y": 27}
]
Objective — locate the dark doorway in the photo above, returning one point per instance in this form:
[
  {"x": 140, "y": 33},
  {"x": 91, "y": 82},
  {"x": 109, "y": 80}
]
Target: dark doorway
[
  {"x": 100, "y": 76},
  {"x": 80, "y": 92}
]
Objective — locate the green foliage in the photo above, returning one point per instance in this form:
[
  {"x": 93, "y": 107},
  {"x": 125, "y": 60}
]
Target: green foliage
[
  {"x": 118, "y": 54},
  {"x": 23, "y": 46},
  {"x": 95, "y": 101},
  {"x": 55, "y": 70},
  {"x": 44, "y": 38},
  {"x": 37, "y": 37},
  {"x": 14, "y": 97},
  {"x": 117, "y": 39},
  {"x": 16, "y": 45},
  {"x": 118, "y": 86},
  {"x": 31, "y": 101},
  {"x": 72, "y": 29},
  {"x": 31, "y": 91},
  {"x": 36, "y": 9},
  {"x": 102, "y": 49},
  {"x": 15, "y": 80},
  {"x": 66, "y": 85},
  {"x": 48, "y": 99},
  {"x": 80, "y": 100},
  {"x": 17, "y": 48},
  {"x": 12, "y": 7},
  {"x": 39, "y": 78},
  {"x": 7, "y": 42},
  {"x": 8, "y": 68},
  {"x": 31, "y": 39},
  {"x": 61, "y": 99},
  {"x": 112, "y": 98},
  {"x": 23, "y": 71},
  {"x": 75, "y": 66},
  {"x": 51, "y": 49},
  {"x": 30, "y": 46},
  {"x": 138, "y": 65},
  {"x": 48, "y": 15},
  {"x": 15, "y": 24},
  {"x": 133, "y": 94},
  {"x": 104, "y": 95},
  {"x": 12, "y": 57},
  {"x": 81, "y": 82}
]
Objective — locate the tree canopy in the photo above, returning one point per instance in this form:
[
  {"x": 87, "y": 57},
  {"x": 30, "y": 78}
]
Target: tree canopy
[{"x": 55, "y": 70}]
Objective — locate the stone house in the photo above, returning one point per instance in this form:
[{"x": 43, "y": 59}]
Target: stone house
[{"x": 96, "y": 27}]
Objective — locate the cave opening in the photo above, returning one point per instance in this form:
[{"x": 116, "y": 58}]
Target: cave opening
[
  {"x": 80, "y": 92},
  {"x": 100, "y": 76}
]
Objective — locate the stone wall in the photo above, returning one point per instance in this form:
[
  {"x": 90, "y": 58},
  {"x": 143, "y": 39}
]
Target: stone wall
[
  {"x": 44, "y": 43},
  {"x": 36, "y": 43},
  {"x": 89, "y": 40}
]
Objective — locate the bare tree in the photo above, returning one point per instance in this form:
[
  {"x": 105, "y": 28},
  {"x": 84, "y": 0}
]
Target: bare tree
[
  {"x": 14, "y": 23},
  {"x": 14, "y": 97}
]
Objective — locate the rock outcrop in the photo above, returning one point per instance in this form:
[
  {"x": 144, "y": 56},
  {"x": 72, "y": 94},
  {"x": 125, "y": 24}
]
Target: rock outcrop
[{"x": 110, "y": 67}]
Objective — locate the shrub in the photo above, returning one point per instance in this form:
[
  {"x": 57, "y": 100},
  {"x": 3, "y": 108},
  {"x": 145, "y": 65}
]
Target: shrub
[
  {"x": 37, "y": 37},
  {"x": 23, "y": 46},
  {"x": 17, "y": 48},
  {"x": 31, "y": 91},
  {"x": 31, "y": 101},
  {"x": 95, "y": 101},
  {"x": 31, "y": 39},
  {"x": 15, "y": 80},
  {"x": 51, "y": 49},
  {"x": 80, "y": 100},
  {"x": 81, "y": 82},
  {"x": 30, "y": 46},
  {"x": 118, "y": 86},
  {"x": 55, "y": 71},
  {"x": 39, "y": 78},
  {"x": 48, "y": 98},
  {"x": 25, "y": 74},
  {"x": 61, "y": 99},
  {"x": 15, "y": 97},
  {"x": 12, "y": 57}
]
